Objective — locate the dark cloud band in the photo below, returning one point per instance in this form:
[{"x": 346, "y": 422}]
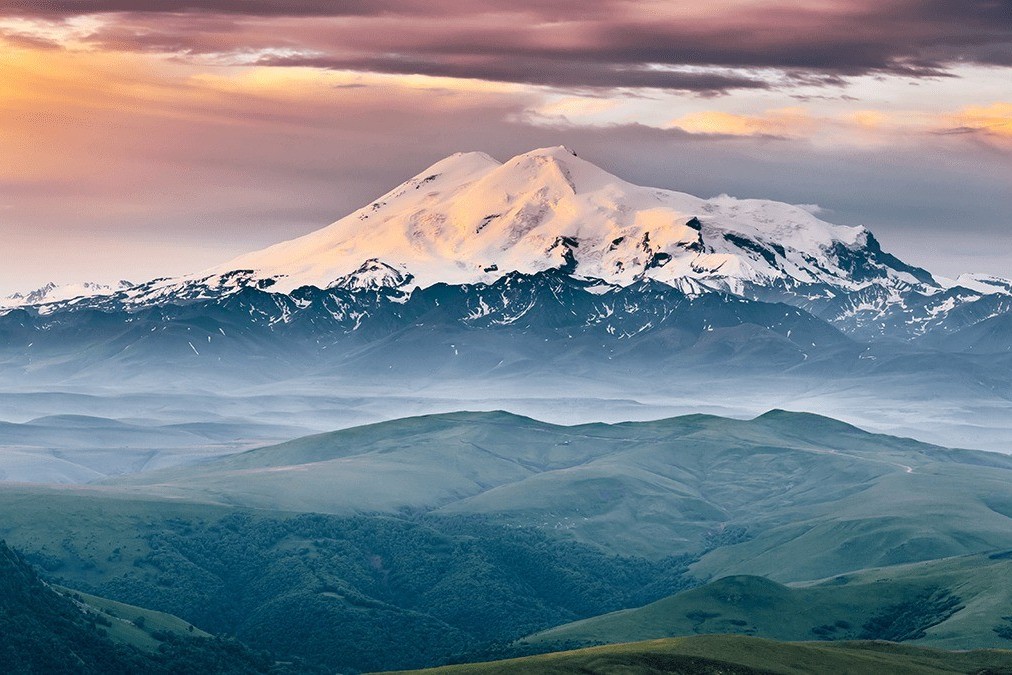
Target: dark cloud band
[{"x": 610, "y": 43}]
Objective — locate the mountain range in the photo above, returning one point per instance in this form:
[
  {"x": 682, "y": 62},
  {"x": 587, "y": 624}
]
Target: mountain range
[
  {"x": 545, "y": 242},
  {"x": 542, "y": 285}
]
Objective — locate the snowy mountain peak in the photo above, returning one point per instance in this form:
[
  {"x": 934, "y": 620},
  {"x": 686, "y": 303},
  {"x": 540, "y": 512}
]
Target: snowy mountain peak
[
  {"x": 986, "y": 284},
  {"x": 469, "y": 218},
  {"x": 373, "y": 275},
  {"x": 549, "y": 226},
  {"x": 54, "y": 292}
]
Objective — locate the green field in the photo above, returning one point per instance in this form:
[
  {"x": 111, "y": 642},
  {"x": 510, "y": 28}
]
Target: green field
[
  {"x": 957, "y": 603},
  {"x": 46, "y": 629},
  {"x": 131, "y": 625},
  {"x": 352, "y": 592},
  {"x": 740, "y": 655},
  {"x": 789, "y": 496}
]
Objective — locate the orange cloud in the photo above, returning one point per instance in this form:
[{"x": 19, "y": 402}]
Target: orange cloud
[
  {"x": 102, "y": 117},
  {"x": 870, "y": 119},
  {"x": 994, "y": 120},
  {"x": 862, "y": 128},
  {"x": 784, "y": 122},
  {"x": 113, "y": 146}
]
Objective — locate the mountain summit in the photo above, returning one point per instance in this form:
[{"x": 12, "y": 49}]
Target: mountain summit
[
  {"x": 546, "y": 241},
  {"x": 471, "y": 219}
]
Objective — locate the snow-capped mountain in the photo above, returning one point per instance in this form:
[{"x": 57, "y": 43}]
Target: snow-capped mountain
[
  {"x": 53, "y": 292},
  {"x": 471, "y": 219},
  {"x": 986, "y": 284},
  {"x": 515, "y": 238}
]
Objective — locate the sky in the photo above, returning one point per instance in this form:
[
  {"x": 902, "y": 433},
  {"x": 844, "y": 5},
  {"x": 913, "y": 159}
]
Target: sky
[{"x": 145, "y": 138}]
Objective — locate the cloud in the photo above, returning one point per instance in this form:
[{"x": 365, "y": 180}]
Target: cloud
[
  {"x": 114, "y": 159},
  {"x": 989, "y": 123},
  {"x": 263, "y": 8},
  {"x": 216, "y": 128},
  {"x": 785, "y": 122},
  {"x": 993, "y": 121},
  {"x": 530, "y": 71},
  {"x": 712, "y": 47}
]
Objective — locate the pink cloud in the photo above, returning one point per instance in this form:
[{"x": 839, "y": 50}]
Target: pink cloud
[{"x": 568, "y": 44}]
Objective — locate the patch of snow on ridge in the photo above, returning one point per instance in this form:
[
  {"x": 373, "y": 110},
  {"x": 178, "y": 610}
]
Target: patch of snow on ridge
[
  {"x": 982, "y": 283},
  {"x": 373, "y": 275},
  {"x": 53, "y": 292}
]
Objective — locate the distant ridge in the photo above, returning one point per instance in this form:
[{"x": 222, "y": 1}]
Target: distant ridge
[{"x": 479, "y": 268}]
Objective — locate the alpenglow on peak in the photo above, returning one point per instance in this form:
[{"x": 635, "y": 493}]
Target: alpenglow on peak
[{"x": 469, "y": 218}]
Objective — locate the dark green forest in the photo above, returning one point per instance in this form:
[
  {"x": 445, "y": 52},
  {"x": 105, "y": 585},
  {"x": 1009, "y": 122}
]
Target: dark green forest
[
  {"x": 363, "y": 593},
  {"x": 45, "y": 632}
]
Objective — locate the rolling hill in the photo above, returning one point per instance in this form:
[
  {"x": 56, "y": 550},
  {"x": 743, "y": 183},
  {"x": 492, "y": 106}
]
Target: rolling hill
[
  {"x": 800, "y": 496},
  {"x": 345, "y": 593},
  {"x": 51, "y": 630},
  {"x": 954, "y": 603},
  {"x": 737, "y": 655},
  {"x": 467, "y": 531}
]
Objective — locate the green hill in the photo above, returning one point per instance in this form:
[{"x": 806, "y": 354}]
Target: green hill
[
  {"x": 45, "y": 630},
  {"x": 417, "y": 541},
  {"x": 789, "y": 496},
  {"x": 350, "y": 593},
  {"x": 957, "y": 603},
  {"x": 132, "y": 625},
  {"x": 740, "y": 655}
]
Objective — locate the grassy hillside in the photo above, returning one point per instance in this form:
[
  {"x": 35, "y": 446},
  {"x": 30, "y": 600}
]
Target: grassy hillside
[
  {"x": 739, "y": 655},
  {"x": 131, "y": 625},
  {"x": 956, "y": 603},
  {"x": 786, "y": 495},
  {"x": 46, "y": 630},
  {"x": 457, "y": 534},
  {"x": 348, "y": 592}
]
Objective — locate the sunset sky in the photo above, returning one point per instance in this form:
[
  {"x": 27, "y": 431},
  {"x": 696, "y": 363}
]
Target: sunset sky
[{"x": 142, "y": 138}]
